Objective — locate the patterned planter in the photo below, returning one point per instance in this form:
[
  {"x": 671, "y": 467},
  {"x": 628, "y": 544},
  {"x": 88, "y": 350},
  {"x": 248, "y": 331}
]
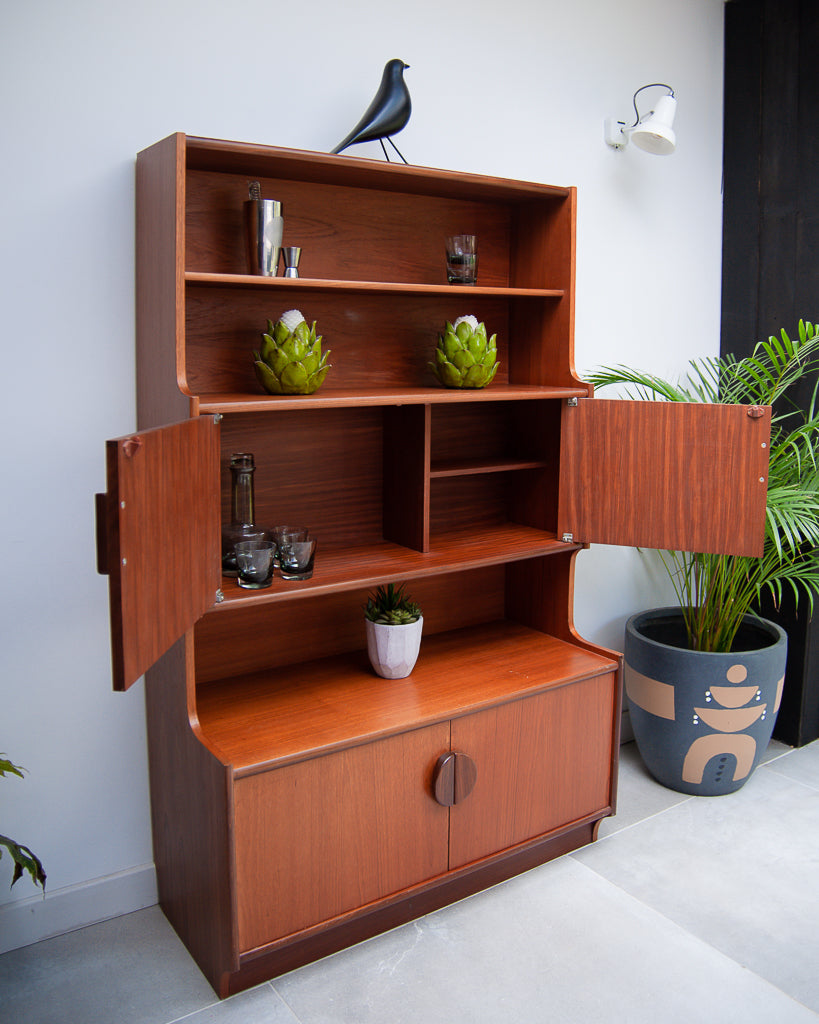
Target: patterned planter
[{"x": 702, "y": 721}]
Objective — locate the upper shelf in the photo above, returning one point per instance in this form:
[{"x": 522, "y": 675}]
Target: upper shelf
[
  {"x": 328, "y": 398},
  {"x": 196, "y": 278},
  {"x": 356, "y": 172}
]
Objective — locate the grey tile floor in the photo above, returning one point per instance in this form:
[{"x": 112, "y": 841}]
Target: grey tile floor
[{"x": 685, "y": 910}]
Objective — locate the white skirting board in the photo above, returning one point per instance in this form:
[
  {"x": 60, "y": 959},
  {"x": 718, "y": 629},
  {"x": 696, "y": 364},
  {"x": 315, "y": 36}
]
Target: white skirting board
[{"x": 36, "y": 917}]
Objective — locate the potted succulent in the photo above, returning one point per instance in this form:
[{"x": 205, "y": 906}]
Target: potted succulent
[
  {"x": 394, "y": 625},
  {"x": 704, "y": 679},
  {"x": 24, "y": 859}
]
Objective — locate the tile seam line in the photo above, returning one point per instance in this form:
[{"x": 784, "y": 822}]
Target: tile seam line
[
  {"x": 635, "y": 824},
  {"x": 769, "y": 766},
  {"x": 221, "y": 1002},
  {"x": 715, "y": 950},
  {"x": 286, "y": 1002}
]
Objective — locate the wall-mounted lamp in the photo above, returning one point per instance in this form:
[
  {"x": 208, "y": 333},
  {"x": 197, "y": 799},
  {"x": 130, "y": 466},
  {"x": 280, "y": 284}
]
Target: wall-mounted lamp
[{"x": 651, "y": 132}]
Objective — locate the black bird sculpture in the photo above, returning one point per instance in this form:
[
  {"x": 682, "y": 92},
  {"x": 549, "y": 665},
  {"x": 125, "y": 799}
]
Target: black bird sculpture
[{"x": 387, "y": 114}]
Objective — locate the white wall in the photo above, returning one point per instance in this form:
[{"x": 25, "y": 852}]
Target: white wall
[{"x": 516, "y": 89}]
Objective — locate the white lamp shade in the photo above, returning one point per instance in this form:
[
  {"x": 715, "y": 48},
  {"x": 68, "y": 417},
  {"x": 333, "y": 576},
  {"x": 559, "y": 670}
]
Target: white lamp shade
[{"x": 654, "y": 133}]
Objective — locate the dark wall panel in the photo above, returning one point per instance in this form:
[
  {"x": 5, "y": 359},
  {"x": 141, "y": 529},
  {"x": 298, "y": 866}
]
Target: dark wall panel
[{"x": 771, "y": 237}]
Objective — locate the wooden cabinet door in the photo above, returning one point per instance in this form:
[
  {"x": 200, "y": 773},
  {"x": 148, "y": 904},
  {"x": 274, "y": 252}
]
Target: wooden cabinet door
[
  {"x": 158, "y": 539},
  {"x": 320, "y": 838},
  {"x": 542, "y": 762},
  {"x": 671, "y": 475}
]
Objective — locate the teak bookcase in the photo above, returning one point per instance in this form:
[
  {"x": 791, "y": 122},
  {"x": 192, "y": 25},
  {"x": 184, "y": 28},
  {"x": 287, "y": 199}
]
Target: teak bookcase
[{"x": 297, "y": 798}]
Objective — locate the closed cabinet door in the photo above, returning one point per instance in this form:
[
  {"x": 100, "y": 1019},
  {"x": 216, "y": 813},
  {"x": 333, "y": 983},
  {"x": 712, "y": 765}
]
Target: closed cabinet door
[
  {"x": 324, "y": 837},
  {"x": 539, "y": 763}
]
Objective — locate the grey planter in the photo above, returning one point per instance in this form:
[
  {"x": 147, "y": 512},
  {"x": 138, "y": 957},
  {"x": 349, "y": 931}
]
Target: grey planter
[{"x": 702, "y": 721}]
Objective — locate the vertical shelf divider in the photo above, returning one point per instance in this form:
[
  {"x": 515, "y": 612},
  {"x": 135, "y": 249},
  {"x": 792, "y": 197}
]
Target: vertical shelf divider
[{"x": 406, "y": 461}]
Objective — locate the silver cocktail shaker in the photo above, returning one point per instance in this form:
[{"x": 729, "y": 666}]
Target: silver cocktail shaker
[{"x": 264, "y": 226}]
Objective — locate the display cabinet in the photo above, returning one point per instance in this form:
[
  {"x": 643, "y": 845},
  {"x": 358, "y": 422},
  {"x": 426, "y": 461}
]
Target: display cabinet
[{"x": 300, "y": 803}]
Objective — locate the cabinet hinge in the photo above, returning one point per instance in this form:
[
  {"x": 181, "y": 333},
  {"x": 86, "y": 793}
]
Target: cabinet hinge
[
  {"x": 568, "y": 538},
  {"x": 217, "y": 418},
  {"x": 571, "y": 402},
  {"x": 219, "y": 597}
]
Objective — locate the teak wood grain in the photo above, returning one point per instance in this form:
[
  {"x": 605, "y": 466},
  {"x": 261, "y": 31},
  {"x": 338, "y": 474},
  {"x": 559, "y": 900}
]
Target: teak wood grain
[
  {"x": 160, "y": 308},
  {"x": 339, "y": 569},
  {"x": 345, "y": 398},
  {"x": 380, "y": 341},
  {"x": 371, "y": 232},
  {"x": 351, "y": 287},
  {"x": 279, "y": 957},
  {"x": 191, "y": 796},
  {"x": 688, "y": 477},
  {"x": 291, "y": 630},
  {"x": 163, "y": 539},
  {"x": 312, "y": 708},
  {"x": 317, "y": 840},
  {"x": 345, "y": 233},
  {"x": 541, "y": 762},
  {"x": 308, "y": 166}
]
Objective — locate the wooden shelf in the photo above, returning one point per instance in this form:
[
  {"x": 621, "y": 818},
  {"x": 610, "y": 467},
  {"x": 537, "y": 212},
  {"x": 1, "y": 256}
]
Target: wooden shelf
[
  {"x": 196, "y": 278},
  {"x": 356, "y": 567},
  {"x": 329, "y": 397},
  {"x": 299, "y": 712},
  {"x": 357, "y": 172},
  {"x": 476, "y": 467}
]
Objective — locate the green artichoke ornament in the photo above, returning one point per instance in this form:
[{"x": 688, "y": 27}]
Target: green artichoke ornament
[
  {"x": 289, "y": 361},
  {"x": 464, "y": 358}
]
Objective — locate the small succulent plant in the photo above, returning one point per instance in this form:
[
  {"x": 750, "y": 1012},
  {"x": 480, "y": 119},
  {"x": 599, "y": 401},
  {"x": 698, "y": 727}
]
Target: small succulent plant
[
  {"x": 464, "y": 357},
  {"x": 289, "y": 361},
  {"x": 390, "y": 606}
]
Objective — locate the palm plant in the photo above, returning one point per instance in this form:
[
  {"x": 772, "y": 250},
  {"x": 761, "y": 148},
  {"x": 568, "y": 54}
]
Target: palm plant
[{"x": 716, "y": 591}]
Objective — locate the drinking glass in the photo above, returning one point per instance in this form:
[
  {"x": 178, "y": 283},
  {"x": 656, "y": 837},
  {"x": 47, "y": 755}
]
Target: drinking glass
[
  {"x": 462, "y": 259},
  {"x": 284, "y": 537},
  {"x": 254, "y": 559},
  {"x": 297, "y": 559}
]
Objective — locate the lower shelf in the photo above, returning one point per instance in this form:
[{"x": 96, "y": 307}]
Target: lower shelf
[
  {"x": 268, "y": 719},
  {"x": 349, "y": 568}
]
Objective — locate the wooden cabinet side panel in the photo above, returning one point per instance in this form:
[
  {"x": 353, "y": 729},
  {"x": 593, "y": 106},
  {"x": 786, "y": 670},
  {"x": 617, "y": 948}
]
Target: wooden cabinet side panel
[
  {"x": 671, "y": 475},
  {"x": 542, "y": 763},
  {"x": 323, "y": 837},
  {"x": 542, "y": 255},
  {"x": 160, "y": 299},
  {"x": 190, "y": 802}
]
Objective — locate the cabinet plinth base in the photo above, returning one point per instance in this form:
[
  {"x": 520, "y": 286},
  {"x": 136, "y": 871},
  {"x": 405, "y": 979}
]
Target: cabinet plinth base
[{"x": 262, "y": 966}]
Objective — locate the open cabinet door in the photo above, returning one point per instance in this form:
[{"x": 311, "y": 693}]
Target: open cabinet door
[
  {"x": 665, "y": 475},
  {"x": 158, "y": 539}
]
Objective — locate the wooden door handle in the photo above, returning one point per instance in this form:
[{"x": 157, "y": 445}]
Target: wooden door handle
[{"x": 454, "y": 778}]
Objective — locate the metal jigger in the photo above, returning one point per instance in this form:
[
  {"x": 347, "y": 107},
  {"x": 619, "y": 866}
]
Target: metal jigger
[
  {"x": 265, "y": 226},
  {"x": 291, "y": 255}
]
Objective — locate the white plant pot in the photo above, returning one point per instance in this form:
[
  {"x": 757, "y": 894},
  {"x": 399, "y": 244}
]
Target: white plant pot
[{"x": 393, "y": 650}]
